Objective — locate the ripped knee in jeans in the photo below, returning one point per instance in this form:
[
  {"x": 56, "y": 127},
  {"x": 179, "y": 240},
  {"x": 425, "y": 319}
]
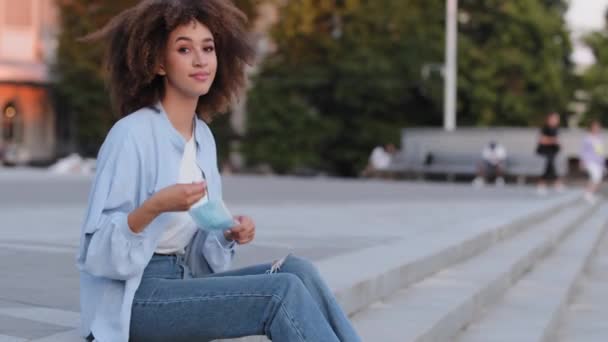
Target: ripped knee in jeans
[{"x": 276, "y": 265}]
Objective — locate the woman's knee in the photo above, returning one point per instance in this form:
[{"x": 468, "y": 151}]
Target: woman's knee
[
  {"x": 289, "y": 285},
  {"x": 301, "y": 267}
]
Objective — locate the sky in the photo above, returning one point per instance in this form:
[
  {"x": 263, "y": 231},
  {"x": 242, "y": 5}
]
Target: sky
[{"x": 584, "y": 16}]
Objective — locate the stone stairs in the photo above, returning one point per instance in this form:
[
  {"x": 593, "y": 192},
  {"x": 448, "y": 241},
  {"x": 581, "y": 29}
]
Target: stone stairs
[
  {"x": 516, "y": 289},
  {"x": 433, "y": 287},
  {"x": 491, "y": 279}
]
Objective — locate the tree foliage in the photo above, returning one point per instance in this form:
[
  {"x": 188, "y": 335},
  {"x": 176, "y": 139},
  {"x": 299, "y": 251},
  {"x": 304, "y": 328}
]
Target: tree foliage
[
  {"x": 349, "y": 74},
  {"x": 514, "y": 62},
  {"x": 595, "y": 79},
  {"x": 79, "y": 74}
]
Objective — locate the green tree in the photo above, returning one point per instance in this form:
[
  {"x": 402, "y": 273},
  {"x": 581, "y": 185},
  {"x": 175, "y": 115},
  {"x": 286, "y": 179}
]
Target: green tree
[
  {"x": 349, "y": 74},
  {"x": 595, "y": 79},
  {"x": 79, "y": 74},
  {"x": 346, "y": 76},
  {"x": 514, "y": 62}
]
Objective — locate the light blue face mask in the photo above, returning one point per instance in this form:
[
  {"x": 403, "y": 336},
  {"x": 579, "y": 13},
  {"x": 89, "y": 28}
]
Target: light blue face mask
[{"x": 213, "y": 215}]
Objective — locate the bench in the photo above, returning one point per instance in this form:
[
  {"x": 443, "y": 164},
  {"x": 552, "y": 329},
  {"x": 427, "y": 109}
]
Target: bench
[{"x": 451, "y": 164}]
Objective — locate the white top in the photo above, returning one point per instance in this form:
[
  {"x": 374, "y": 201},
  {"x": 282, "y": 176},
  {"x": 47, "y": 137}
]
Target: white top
[
  {"x": 181, "y": 230},
  {"x": 494, "y": 155},
  {"x": 380, "y": 159}
]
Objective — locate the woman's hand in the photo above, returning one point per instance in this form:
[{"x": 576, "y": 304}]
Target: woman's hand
[
  {"x": 178, "y": 197},
  {"x": 242, "y": 233}
]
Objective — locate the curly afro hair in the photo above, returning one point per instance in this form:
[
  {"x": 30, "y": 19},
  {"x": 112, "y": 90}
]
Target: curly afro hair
[{"x": 137, "y": 36}]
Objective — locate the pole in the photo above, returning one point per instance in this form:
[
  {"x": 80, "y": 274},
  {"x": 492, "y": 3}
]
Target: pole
[{"x": 449, "y": 110}]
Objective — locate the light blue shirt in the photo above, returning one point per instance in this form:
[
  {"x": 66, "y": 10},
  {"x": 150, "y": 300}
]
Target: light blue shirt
[{"x": 140, "y": 156}]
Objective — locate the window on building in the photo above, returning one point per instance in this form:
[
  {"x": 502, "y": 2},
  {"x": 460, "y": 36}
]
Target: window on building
[{"x": 9, "y": 122}]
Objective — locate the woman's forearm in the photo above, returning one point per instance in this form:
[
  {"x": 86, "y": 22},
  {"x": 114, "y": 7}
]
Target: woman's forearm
[{"x": 141, "y": 217}]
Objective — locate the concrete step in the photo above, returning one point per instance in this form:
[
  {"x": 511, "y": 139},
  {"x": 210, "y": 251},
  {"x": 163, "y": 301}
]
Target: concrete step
[
  {"x": 436, "y": 308},
  {"x": 531, "y": 309},
  {"x": 584, "y": 319},
  {"x": 360, "y": 279}
]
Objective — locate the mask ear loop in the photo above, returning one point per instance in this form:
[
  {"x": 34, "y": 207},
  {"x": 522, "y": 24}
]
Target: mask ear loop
[
  {"x": 200, "y": 168},
  {"x": 204, "y": 179}
]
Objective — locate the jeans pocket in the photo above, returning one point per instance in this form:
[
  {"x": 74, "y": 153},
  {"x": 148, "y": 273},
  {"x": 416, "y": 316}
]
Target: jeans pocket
[{"x": 162, "y": 267}]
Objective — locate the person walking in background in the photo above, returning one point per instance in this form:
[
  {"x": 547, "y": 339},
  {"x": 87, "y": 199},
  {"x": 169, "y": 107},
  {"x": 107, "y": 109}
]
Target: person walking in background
[
  {"x": 492, "y": 164},
  {"x": 548, "y": 147},
  {"x": 593, "y": 160}
]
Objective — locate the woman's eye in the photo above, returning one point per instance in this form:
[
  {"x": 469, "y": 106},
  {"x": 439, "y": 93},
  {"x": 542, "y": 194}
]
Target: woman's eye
[
  {"x": 209, "y": 49},
  {"x": 183, "y": 50}
]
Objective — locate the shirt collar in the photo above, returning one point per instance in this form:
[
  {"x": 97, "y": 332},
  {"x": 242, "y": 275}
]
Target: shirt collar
[{"x": 176, "y": 138}]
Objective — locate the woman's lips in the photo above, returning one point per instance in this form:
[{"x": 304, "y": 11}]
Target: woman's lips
[{"x": 201, "y": 76}]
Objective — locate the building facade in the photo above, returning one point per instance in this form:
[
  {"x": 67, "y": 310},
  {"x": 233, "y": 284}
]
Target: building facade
[{"x": 28, "y": 32}]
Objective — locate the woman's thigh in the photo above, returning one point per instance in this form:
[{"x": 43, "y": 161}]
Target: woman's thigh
[
  {"x": 202, "y": 308},
  {"x": 208, "y": 308}
]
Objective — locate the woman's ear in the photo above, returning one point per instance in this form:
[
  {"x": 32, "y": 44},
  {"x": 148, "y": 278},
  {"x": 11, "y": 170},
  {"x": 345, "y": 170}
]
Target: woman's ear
[{"x": 161, "y": 70}]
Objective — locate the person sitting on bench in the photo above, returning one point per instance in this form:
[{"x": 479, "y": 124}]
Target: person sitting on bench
[{"x": 492, "y": 164}]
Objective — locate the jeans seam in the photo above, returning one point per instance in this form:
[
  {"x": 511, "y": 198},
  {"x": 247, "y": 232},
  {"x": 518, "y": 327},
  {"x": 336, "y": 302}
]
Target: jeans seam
[
  {"x": 200, "y": 298},
  {"x": 291, "y": 320}
]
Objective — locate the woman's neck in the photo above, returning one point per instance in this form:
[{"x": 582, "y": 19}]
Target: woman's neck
[{"x": 180, "y": 111}]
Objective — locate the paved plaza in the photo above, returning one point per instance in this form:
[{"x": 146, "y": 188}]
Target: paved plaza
[{"x": 318, "y": 218}]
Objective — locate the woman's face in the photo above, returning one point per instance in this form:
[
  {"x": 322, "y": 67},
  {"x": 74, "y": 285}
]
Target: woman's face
[{"x": 190, "y": 61}]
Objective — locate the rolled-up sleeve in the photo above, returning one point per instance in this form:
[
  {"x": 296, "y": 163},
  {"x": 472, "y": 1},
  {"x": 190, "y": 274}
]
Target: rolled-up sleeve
[
  {"x": 109, "y": 248},
  {"x": 218, "y": 251}
]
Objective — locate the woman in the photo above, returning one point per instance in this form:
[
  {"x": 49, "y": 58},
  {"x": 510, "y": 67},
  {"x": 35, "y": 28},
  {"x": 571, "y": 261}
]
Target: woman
[{"x": 148, "y": 273}]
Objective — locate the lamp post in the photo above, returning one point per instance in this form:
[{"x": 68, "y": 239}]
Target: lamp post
[{"x": 449, "y": 109}]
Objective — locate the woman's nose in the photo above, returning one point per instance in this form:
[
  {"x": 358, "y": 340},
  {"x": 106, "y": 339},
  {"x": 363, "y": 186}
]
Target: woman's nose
[{"x": 198, "y": 60}]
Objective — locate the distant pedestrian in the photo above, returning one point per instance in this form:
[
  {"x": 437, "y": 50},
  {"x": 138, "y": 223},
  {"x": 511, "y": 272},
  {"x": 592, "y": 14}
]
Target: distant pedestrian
[
  {"x": 549, "y": 147},
  {"x": 593, "y": 159}
]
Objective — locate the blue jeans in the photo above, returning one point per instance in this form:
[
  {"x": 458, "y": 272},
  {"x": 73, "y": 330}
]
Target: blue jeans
[{"x": 293, "y": 304}]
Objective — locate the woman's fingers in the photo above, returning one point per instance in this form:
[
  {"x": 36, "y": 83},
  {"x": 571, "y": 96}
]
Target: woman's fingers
[
  {"x": 243, "y": 234},
  {"x": 238, "y": 232},
  {"x": 244, "y": 231},
  {"x": 194, "y": 192},
  {"x": 195, "y": 189},
  {"x": 200, "y": 189},
  {"x": 249, "y": 237}
]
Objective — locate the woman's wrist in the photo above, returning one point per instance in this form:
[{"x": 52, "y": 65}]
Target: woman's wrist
[
  {"x": 151, "y": 207},
  {"x": 141, "y": 217}
]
